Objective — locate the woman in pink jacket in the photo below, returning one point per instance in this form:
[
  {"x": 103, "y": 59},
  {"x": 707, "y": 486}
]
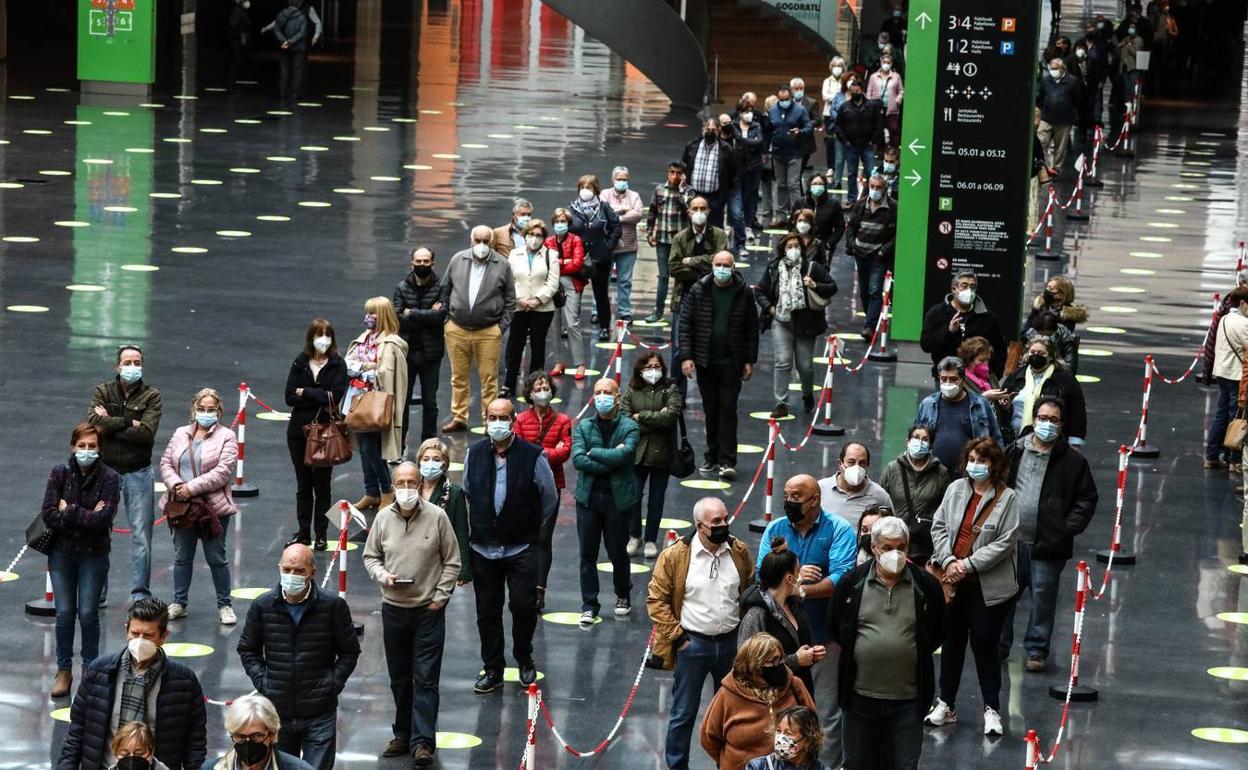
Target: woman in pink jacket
[
  {"x": 198, "y": 466},
  {"x": 885, "y": 84}
]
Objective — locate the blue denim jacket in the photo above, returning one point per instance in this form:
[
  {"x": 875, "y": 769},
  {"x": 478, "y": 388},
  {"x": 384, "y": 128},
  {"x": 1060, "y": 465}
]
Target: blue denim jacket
[{"x": 983, "y": 419}]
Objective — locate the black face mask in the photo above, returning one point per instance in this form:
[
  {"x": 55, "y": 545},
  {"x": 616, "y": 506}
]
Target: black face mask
[
  {"x": 422, "y": 271},
  {"x": 775, "y": 676},
  {"x": 718, "y": 534},
  {"x": 1037, "y": 361},
  {"x": 708, "y": 136},
  {"x": 134, "y": 763},
  {"x": 249, "y": 753},
  {"x": 864, "y": 542},
  {"x": 793, "y": 509},
  {"x": 1049, "y": 297}
]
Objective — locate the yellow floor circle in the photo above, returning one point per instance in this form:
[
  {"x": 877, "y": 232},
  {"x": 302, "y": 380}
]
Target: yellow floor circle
[
  {"x": 1107, "y": 329},
  {"x": 588, "y": 372},
  {"x": 27, "y": 309},
  {"x": 1239, "y": 569},
  {"x": 565, "y": 618},
  {"x": 1234, "y": 673},
  {"x": 189, "y": 250},
  {"x": 758, "y": 248},
  {"x": 770, "y": 231},
  {"x": 333, "y": 546},
  {"x": 656, "y": 325},
  {"x": 815, "y": 386},
  {"x": 187, "y": 650},
  {"x": 1234, "y": 617},
  {"x": 767, "y": 416},
  {"x": 823, "y": 361},
  {"x": 750, "y": 449},
  {"x": 1221, "y": 734},
  {"x": 605, "y": 566},
  {"x": 60, "y": 715},
  {"x": 249, "y": 594},
  {"x": 1118, "y": 309},
  {"x": 88, "y": 287},
  {"x": 455, "y": 467},
  {"x": 452, "y": 741},
  {"x": 1087, "y": 378},
  {"x": 274, "y": 416},
  {"x": 71, "y": 223},
  {"x": 674, "y": 524},
  {"x": 740, "y": 265},
  {"x": 478, "y": 429},
  {"x": 713, "y": 485},
  {"x": 512, "y": 674},
  {"x": 140, "y": 268},
  {"x": 1096, "y": 352},
  {"x": 611, "y": 345},
  {"x": 273, "y": 218},
  {"x": 8, "y": 577}
]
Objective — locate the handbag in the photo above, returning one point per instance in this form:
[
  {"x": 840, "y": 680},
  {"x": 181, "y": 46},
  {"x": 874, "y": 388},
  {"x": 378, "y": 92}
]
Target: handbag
[
  {"x": 935, "y": 570},
  {"x": 561, "y": 297},
  {"x": 39, "y": 536},
  {"x": 178, "y": 512},
  {"x": 371, "y": 412},
  {"x": 814, "y": 300},
  {"x": 683, "y": 462},
  {"x": 1236, "y": 432},
  {"x": 327, "y": 442}
]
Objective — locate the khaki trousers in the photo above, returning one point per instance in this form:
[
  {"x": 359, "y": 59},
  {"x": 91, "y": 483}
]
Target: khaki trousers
[
  {"x": 1055, "y": 140},
  {"x": 462, "y": 346}
]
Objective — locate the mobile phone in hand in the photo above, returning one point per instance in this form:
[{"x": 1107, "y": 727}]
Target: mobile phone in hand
[{"x": 403, "y": 581}]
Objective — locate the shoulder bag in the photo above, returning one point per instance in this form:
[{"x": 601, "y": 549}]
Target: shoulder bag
[
  {"x": 327, "y": 442},
  {"x": 938, "y": 572},
  {"x": 921, "y": 530},
  {"x": 683, "y": 462},
  {"x": 814, "y": 300},
  {"x": 373, "y": 410},
  {"x": 178, "y": 512}
]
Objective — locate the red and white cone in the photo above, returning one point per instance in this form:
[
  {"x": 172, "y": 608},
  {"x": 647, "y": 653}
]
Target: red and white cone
[
  {"x": 1078, "y": 213},
  {"x": 240, "y": 487},
  {"x": 826, "y": 427},
  {"x": 760, "y": 525},
  {"x": 882, "y": 352},
  {"x": 344, "y": 522},
  {"x": 45, "y": 607}
]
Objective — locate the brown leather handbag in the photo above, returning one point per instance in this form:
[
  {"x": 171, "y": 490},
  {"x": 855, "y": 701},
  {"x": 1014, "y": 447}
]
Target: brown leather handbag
[
  {"x": 371, "y": 412},
  {"x": 327, "y": 442}
]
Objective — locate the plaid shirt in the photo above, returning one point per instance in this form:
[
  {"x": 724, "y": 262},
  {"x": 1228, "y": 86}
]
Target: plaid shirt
[
  {"x": 135, "y": 687},
  {"x": 669, "y": 211},
  {"x": 706, "y": 167}
]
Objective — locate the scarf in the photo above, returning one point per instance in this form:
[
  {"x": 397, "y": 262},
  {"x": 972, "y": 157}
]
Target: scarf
[
  {"x": 792, "y": 295},
  {"x": 1034, "y": 383},
  {"x": 978, "y": 374},
  {"x": 135, "y": 687}
]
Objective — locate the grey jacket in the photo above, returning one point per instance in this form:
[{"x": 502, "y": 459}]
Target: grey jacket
[
  {"x": 992, "y": 554},
  {"x": 496, "y": 299}
]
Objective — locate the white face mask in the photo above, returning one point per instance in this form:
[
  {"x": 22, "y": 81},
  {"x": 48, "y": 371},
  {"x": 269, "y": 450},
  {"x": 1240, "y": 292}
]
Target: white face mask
[
  {"x": 698, "y": 218},
  {"x": 142, "y": 650},
  {"x": 792, "y": 255},
  {"x": 747, "y": 117},
  {"x": 885, "y": 67},
  {"x": 586, "y": 194},
  {"x": 837, "y": 72},
  {"x": 1056, "y": 74},
  {"x": 892, "y": 562},
  {"x": 652, "y": 376},
  {"x": 534, "y": 242},
  {"x": 950, "y": 390},
  {"x": 480, "y": 250},
  {"x": 321, "y": 343},
  {"x": 407, "y": 498},
  {"x": 966, "y": 296},
  {"x": 803, "y": 227},
  {"x": 854, "y": 475}
]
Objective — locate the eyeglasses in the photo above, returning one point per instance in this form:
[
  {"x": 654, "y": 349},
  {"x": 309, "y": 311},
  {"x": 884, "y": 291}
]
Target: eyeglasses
[{"x": 250, "y": 737}]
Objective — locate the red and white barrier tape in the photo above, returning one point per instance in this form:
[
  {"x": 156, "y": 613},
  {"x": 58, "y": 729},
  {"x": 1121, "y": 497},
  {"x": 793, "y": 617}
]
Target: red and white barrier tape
[
  {"x": 767, "y": 453},
  {"x": 639, "y": 342},
  {"x": 871, "y": 344}
]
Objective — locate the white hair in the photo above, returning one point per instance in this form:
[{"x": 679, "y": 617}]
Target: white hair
[
  {"x": 619, "y": 170},
  {"x": 889, "y": 528},
  {"x": 795, "y": 82},
  {"x": 703, "y": 506},
  {"x": 482, "y": 231},
  {"x": 252, "y": 707},
  {"x": 521, "y": 203}
]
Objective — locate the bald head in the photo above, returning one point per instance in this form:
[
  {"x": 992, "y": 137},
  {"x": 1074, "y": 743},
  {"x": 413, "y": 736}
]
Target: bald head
[
  {"x": 709, "y": 509},
  {"x": 297, "y": 560},
  {"x": 500, "y": 407},
  {"x": 606, "y": 386},
  {"x": 801, "y": 499}
]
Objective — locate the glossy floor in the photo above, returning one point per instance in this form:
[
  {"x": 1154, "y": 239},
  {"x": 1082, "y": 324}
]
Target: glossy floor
[{"x": 217, "y": 285}]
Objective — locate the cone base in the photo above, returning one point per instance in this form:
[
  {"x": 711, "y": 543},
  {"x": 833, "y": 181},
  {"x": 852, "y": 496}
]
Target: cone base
[
  {"x": 1050, "y": 256},
  {"x": 831, "y": 429},
  {"x": 244, "y": 490},
  {"x": 759, "y": 525},
  {"x": 885, "y": 356},
  {"x": 1125, "y": 558},
  {"x": 1080, "y": 693},
  {"x": 1146, "y": 452},
  {"x": 40, "y": 608}
]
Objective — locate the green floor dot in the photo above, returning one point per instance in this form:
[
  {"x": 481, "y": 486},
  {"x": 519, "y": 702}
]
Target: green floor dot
[
  {"x": 1221, "y": 734},
  {"x": 186, "y": 650},
  {"x": 565, "y": 618},
  {"x": 1239, "y": 569},
  {"x": 767, "y": 416},
  {"x": 815, "y": 387},
  {"x": 674, "y": 524},
  {"x": 1095, "y": 352},
  {"x": 478, "y": 429},
  {"x": 741, "y": 265},
  {"x": 60, "y": 715},
  {"x": 249, "y": 594},
  {"x": 512, "y": 674},
  {"x": 771, "y": 231},
  {"x": 454, "y": 741},
  {"x": 749, "y": 449},
  {"x": 1087, "y": 378},
  {"x": 1234, "y": 673},
  {"x": 605, "y": 566},
  {"x": 8, "y": 577},
  {"x": 707, "y": 484},
  {"x": 758, "y": 248},
  {"x": 1234, "y": 617}
]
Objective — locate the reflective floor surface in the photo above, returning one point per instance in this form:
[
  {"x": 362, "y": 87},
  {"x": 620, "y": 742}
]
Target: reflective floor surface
[{"x": 211, "y": 228}]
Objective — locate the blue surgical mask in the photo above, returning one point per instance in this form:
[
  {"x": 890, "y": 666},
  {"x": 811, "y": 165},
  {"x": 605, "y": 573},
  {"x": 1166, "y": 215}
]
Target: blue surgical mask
[
  {"x": 561, "y": 228},
  {"x": 293, "y": 585},
  {"x": 875, "y": 195},
  {"x": 621, "y": 185},
  {"x": 430, "y": 469},
  {"x": 977, "y": 471},
  {"x": 785, "y": 103},
  {"x": 522, "y": 221},
  {"x": 917, "y": 447},
  {"x": 798, "y": 95},
  {"x": 206, "y": 419},
  {"x": 1046, "y": 431},
  {"x": 131, "y": 374},
  {"x": 889, "y": 167},
  {"x": 722, "y": 274},
  {"x": 86, "y": 457},
  {"x": 817, "y": 189},
  {"x": 604, "y": 402},
  {"x": 498, "y": 430}
]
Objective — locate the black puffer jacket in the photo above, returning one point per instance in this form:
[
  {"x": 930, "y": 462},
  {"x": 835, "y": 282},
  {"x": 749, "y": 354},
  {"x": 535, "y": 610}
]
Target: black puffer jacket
[
  {"x": 301, "y": 668},
  {"x": 424, "y": 327},
  {"x": 331, "y": 380},
  {"x": 760, "y": 613},
  {"x": 181, "y": 730},
  {"x": 807, "y": 322},
  {"x": 1068, "y": 497},
  {"x": 860, "y": 123},
  {"x": 599, "y": 228},
  {"x": 696, "y": 319}
]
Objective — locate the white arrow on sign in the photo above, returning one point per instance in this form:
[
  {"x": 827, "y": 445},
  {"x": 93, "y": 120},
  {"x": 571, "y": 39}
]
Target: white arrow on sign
[
  {"x": 923, "y": 19},
  {"x": 914, "y": 178},
  {"x": 915, "y": 146}
]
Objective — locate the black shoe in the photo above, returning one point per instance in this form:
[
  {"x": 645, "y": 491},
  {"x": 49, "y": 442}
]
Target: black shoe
[
  {"x": 298, "y": 539},
  {"x": 604, "y": 335},
  {"x": 708, "y": 467},
  {"x": 528, "y": 673},
  {"x": 727, "y": 473},
  {"x": 320, "y": 545},
  {"x": 488, "y": 682},
  {"x": 563, "y": 335},
  {"x": 1243, "y": 558},
  {"x": 397, "y": 747},
  {"x": 422, "y": 756},
  {"x": 780, "y": 412},
  {"x": 540, "y": 602},
  {"x": 808, "y": 402},
  {"x": 654, "y": 317}
]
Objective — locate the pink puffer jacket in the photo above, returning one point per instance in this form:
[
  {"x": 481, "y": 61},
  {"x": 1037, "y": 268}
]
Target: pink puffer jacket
[{"x": 217, "y": 458}]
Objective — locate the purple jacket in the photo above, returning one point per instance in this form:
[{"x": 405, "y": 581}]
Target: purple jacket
[
  {"x": 80, "y": 528},
  {"x": 217, "y": 458}
]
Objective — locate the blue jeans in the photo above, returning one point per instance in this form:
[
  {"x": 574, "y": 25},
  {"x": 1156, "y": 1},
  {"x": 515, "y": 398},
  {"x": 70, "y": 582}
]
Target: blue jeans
[
  {"x": 314, "y": 740},
  {"x": 736, "y": 218},
  {"x": 870, "y": 288},
  {"x": 414, "y": 638},
  {"x": 624, "y": 261},
  {"x": 1228, "y": 398},
  {"x": 662, "y": 251},
  {"x": 654, "y": 502},
  {"x": 702, "y": 658},
  {"x": 600, "y": 522},
  {"x": 884, "y": 734},
  {"x": 853, "y": 156},
  {"x": 137, "y": 492},
  {"x": 77, "y": 582},
  {"x": 1043, "y": 577},
  {"x": 184, "y": 541},
  {"x": 376, "y": 471}
]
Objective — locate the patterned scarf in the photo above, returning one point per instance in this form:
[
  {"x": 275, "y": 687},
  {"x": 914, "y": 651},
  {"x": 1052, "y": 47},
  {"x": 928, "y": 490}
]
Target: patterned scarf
[
  {"x": 792, "y": 293},
  {"x": 135, "y": 687}
]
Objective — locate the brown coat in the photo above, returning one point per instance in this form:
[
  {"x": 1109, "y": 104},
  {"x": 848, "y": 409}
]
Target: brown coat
[
  {"x": 667, "y": 593},
  {"x": 502, "y": 242},
  {"x": 737, "y": 726}
]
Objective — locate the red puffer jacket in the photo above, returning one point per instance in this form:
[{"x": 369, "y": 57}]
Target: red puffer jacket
[
  {"x": 555, "y": 432},
  {"x": 571, "y": 259}
]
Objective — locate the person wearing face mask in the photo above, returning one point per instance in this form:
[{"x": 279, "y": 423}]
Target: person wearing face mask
[
  {"x": 858, "y": 128},
  {"x": 653, "y": 401},
  {"x": 137, "y": 684},
  {"x": 978, "y": 378},
  {"x": 79, "y": 504},
  {"x": 833, "y": 93},
  {"x": 784, "y": 306},
  {"x": 736, "y": 726},
  {"x": 479, "y": 294},
  {"x": 511, "y": 498},
  {"x": 573, "y": 277},
  {"x": 433, "y": 458},
  {"x": 298, "y": 648},
  {"x": 1058, "y": 96},
  {"x": 1043, "y": 373},
  {"x": 796, "y": 743},
  {"x": 1056, "y": 499},
  {"x": 694, "y": 603},
  {"x": 888, "y": 616},
  {"x": 973, "y": 538},
  {"x": 747, "y": 131},
  {"x": 774, "y": 606},
  {"x": 895, "y": 22},
  {"x": 1129, "y": 41},
  {"x": 958, "y": 413},
  {"x": 868, "y": 518},
  {"x": 873, "y": 53},
  {"x": 606, "y": 493},
  {"x": 510, "y": 237},
  {"x": 628, "y": 208},
  {"x": 1058, "y": 297},
  {"x": 959, "y": 317},
  {"x": 377, "y": 361},
  {"x": 825, "y": 219},
  {"x": 790, "y": 124},
  {"x": 413, "y": 554},
  {"x": 825, "y": 546},
  {"x": 667, "y": 215},
  {"x": 850, "y": 491},
  {"x": 718, "y": 333},
  {"x": 315, "y": 388},
  {"x": 418, "y": 303},
  {"x": 890, "y": 169},
  {"x": 806, "y": 141},
  {"x": 1048, "y": 325},
  {"x": 134, "y": 748},
  {"x": 242, "y": 37},
  {"x": 126, "y": 410},
  {"x": 545, "y": 426},
  {"x": 871, "y": 239},
  {"x": 599, "y": 229},
  {"x": 536, "y": 272},
  {"x": 917, "y": 481},
  {"x": 712, "y": 168},
  {"x": 885, "y": 84},
  {"x": 197, "y": 468},
  {"x": 255, "y": 731}
]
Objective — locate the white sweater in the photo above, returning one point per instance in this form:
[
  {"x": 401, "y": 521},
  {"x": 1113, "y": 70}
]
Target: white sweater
[
  {"x": 539, "y": 281},
  {"x": 1232, "y": 341}
]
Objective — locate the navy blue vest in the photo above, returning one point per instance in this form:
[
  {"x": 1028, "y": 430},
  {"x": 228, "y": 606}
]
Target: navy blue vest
[{"x": 520, "y": 519}]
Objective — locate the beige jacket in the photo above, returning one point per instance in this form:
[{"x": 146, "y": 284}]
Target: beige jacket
[
  {"x": 392, "y": 379},
  {"x": 539, "y": 281},
  {"x": 1231, "y": 346},
  {"x": 423, "y": 549}
]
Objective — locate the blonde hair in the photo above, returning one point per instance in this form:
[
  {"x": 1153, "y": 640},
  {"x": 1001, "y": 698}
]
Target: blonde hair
[
  {"x": 561, "y": 213},
  {"x": 200, "y": 395},
  {"x": 1067, "y": 288},
  {"x": 248, "y": 707},
  {"x": 387, "y": 319},
  {"x": 133, "y": 732},
  {"x": 437, "y": 445},
  {"x": 747, "y": 667},
  {"x": 535, "y": 225}
]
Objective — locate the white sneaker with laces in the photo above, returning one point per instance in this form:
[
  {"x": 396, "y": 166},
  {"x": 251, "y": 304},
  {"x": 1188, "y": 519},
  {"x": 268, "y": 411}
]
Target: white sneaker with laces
[
  {"x": 587, "y": 618},
  {"x": 652, "y": 551},
  {"x": 634, "y": 545},
  {"x": 228, "y": 618},
  {"x": 941, "y": 714},
  {"x": 992, "y": 723},
  {"x": 176, "y": 611}
]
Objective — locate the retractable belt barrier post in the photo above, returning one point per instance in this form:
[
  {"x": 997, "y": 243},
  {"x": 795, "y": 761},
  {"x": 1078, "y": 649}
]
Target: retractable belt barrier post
[
  {"x": 827, "y": 427},
  {"x": 1140, "y": 447},
  {"x": 1092, "y": 180},
  {"x": 241, "y": 488},
  {"x": 530, "y": 744},
  {"x": 1125, "y": 146},
  {"x": 1048, "y": 253},
  {"x": 1077, "y": 214},
  {"x": 882, "y": 353},
  {"x": 45, "y": 607},
  {"x": 759, "y": 525}
]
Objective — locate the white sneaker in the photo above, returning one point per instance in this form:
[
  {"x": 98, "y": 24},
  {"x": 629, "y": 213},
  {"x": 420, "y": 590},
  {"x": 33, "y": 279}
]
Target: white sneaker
[
  {"x": 634, "y": 545},
  {"x": 228, "y": 618},
  {"x": 992, "y": 723},
  {"x": 651, "y": 551},
  {"x": 941, "y": 714},
  {"x": 176, "y": 611},
  {"x": 587, "y": 618}
]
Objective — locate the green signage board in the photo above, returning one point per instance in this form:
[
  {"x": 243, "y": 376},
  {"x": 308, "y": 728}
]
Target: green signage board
[{"x": 117, "y": 40}]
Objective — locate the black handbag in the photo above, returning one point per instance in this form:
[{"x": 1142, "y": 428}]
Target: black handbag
[
  {"x": 683, "y": 462},
  {"x": 38, "y": 536}
]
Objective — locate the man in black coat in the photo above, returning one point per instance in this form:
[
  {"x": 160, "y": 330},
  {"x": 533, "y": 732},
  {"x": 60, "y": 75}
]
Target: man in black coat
[
  {"x": 961, "y": 316},
  {"x": 1056, "y": 497},
  {"x": 118, "y": 688},
  {"x": 710, "y": 164},
  {"x": 299, "y": 647},
  {"x": 719, "y": 342},
  {"x": 422, "y": 318}
]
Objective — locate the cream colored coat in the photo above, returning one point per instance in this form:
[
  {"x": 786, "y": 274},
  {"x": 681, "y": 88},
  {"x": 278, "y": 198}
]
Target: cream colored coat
[
  {"x": 539, "y": 282},
  {"x": 392, "y": 379}
]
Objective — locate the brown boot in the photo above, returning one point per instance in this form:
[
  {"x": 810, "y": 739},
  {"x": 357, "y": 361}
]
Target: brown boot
[
  {"x": 367, "y": 501},
  {"x": 60, "y": 686},
  {"x": 387, "y": 498}
]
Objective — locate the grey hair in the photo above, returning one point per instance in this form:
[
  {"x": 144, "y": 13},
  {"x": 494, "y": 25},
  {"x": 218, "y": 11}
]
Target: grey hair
[
  {"x": 482, "y": 231},
  {"x": 951, "y": 363},
  {"x": 965, "y": 274},
  {"x": 878, "y": 178},
  {"x": 700, "y": 507},
  {"x": 619, "y": 170},
  {"x": 249, "y": 707},
  {"x": 1241, "y": 278},
  {"x": 794, "y": 81},
  {"x": 889, "y": 528},
  {"x": 521, "y": 203}
]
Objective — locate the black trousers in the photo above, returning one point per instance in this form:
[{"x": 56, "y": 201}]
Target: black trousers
[
  {"x": 517, "y": 576},
  {"x": 720, "y": 387},
  {"x": 311, "y": 491},
  {"x": 413, "y": 638},
  {"x": 600, "y": 280},
  {"x": 428, "y": 373},
  {"x": 529, "y": 326},
  {"x": 545, "y": 545},
  {"x": 293, "y": 64},
  {"x": 602, "y": 523},
  {"x": 967, "y": 618}
]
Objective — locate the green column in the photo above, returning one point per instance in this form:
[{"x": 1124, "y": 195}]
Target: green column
[{"x": 117, "y": 41}]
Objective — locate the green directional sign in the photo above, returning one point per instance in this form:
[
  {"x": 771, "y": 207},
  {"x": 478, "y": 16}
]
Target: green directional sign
[
  {"x": 965, "y": 155},
  {"x": 117, "y": 40}
]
